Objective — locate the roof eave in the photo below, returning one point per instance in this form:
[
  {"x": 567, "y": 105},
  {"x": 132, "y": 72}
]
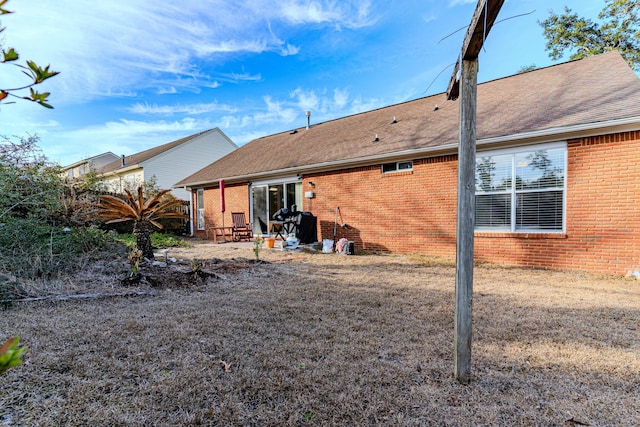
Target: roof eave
[
  {"x": 121, "y": 170},
  {"x": 564, "y": 133},
  {"x": 525, "y": 138}
]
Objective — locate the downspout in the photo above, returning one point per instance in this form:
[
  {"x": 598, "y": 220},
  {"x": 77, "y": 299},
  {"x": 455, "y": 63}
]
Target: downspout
[{"x": 191, "y": 231}]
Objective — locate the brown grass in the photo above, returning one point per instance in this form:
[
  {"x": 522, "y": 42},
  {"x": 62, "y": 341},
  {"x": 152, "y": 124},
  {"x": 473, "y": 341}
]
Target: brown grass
[{"x": 331, "y": 340}]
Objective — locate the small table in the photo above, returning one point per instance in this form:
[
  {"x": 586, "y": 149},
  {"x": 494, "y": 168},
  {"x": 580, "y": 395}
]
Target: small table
[{"x": 282, "y": 228}]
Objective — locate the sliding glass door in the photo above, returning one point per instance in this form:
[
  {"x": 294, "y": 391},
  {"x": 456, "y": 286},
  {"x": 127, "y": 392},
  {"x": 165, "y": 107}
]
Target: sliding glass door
[{"x": 269, "y": 197}]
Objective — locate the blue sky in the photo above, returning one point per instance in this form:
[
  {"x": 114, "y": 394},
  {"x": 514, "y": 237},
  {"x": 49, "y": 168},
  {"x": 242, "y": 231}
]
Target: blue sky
[{"x": 137, "y": 74}]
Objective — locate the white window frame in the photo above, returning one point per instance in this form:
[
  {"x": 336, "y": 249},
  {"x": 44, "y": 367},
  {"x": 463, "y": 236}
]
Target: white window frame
[
  {"x": 398, "y": 166},
  {"x": 513, "y": 191},
  {"x": 296, "y": 179},
  {"x": 200, "y": 208}
]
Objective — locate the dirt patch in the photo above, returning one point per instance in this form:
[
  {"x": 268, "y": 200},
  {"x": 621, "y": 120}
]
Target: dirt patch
[{"x": 314, "y": 339}]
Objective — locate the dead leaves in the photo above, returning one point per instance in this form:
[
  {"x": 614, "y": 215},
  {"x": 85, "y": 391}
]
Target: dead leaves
[{"x": 225, "y": 365}]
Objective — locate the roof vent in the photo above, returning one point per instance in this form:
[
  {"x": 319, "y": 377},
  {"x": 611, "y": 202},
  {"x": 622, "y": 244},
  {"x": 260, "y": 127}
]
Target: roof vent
[
  {"x": 394, "y": 120},
  {"x": 122, "y": 161},
  {"x": 293, "y": 132},
  {"x": 308, "y": 119},
  {"x": 377, "y": 139}
]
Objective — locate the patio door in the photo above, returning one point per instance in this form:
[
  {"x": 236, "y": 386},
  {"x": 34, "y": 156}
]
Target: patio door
[
  {"x": 260, "y": 211},
  {"x": 267, "y": 198}
]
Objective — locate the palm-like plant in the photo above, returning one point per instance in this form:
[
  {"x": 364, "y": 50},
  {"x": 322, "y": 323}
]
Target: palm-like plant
[{"x": 144, "y": 214}]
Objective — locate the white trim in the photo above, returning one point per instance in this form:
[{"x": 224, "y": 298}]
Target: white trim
[
  {"x": 200, "y": 226},
  {"x": 522, "y": 149},
  {"x": 284, "y": 180},
  {"x": 397, "y": 167},
  {"x": 513, "y": 192}
]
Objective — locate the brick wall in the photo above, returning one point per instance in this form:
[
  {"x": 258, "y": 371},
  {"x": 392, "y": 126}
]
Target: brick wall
[
  {"x": 603, "y": 214},
  {"x": 410, "y": 211},
  {"x": 415, "y": 211},
  {"x": 236, "y": 200}
]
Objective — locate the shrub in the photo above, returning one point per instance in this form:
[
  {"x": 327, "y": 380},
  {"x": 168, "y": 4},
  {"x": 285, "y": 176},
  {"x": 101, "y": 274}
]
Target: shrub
[{"x": 32, "y": 249}]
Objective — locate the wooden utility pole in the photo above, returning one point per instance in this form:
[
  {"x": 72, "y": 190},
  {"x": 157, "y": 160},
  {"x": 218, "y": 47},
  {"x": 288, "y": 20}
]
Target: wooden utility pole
[
  {"x": 465, "y": 220},
  {"x": 466, "y": 85}
]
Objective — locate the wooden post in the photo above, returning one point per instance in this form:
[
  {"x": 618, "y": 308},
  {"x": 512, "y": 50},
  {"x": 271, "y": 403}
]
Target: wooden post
[{"x": 465, "y": 220}]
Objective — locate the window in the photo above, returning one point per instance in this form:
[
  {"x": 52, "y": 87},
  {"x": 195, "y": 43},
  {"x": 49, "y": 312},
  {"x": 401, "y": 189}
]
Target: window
[
  {"x": 200, "y": 204},
  {"x": 395, "y": 167},
  {"x": 70, "y": 173},
  {"x": 521, "y": 190},
  {"x": 81, "y": 170}
]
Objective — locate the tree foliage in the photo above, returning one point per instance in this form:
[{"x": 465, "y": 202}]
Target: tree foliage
[
  {"x": 31, "y": 187},
  {"x": 42, "y": 218},
  {"x": 34, "y": 72},
  {"x": 618, "y": 29},
  {"x": 144, "y": 214}
]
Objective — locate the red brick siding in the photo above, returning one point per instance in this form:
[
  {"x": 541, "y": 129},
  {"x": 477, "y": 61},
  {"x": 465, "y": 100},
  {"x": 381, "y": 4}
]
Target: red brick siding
[
  {"x": 408, "y": 211},
  {"x": 603, "y": 214},
  {"x": 236, "y": 200},
  {"x": 415, "y": 211}
]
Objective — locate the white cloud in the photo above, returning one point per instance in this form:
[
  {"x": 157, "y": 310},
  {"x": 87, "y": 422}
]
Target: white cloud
[
  {"x": 306, "y": 100},
  {"x": 114, "y": 47},
  {"x": 453, "y": 3},
  {"x": 349, "y": 14},
  {"x": 276, "y": 112},
  {"x": 243, "y": 77},
  {"x": 340, "y": 97},
  {"x": 167, "y": 90},
  {"x": 192, "y": 109}
]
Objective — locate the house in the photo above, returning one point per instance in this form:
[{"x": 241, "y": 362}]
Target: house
[
  {"x": 82, "y": 167},
  {"x": 167, "y": 163},
  {"x": 557, "y": 172}
]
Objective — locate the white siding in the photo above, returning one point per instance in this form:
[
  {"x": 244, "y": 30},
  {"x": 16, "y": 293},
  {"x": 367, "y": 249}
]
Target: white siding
[
  {"x": 186, "y": 159},
  {"x": 130, "y": 180}
]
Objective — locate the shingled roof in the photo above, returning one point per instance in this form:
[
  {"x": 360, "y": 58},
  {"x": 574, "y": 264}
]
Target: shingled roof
[
  {"x": 592, "y": 91},
  {"x": 142, "y": 156}
]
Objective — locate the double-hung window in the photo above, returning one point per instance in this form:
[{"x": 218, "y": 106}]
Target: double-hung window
[{"x": 521, "y": 190}]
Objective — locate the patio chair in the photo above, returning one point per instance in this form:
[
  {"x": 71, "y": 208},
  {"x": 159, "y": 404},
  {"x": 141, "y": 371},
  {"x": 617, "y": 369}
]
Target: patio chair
[{"x": 241, "y": 228}]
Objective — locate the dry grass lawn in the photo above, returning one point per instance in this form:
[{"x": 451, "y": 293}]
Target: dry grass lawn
[{"x": 313, "y": 339}]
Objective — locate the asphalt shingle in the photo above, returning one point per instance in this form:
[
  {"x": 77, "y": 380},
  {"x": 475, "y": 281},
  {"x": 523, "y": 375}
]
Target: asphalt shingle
[{"x": 592, "y": 90}]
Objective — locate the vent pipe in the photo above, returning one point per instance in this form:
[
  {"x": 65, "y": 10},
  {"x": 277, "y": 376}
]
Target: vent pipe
[
  {"x": 308, "y": 119},
  {"x": 122, "y": 161}
]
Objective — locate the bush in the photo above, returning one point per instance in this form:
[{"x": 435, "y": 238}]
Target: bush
[{"x": 32, "y": 249}]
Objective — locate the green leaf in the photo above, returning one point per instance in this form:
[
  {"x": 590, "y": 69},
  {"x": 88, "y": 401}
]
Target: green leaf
[
  {"x": 11, "y": 354},
  {"x": 40, "y": 98},
  {"x": 40, "y": 74},
  {"x": 2, "y": 10},
  {"x": 10, "y": 55}
]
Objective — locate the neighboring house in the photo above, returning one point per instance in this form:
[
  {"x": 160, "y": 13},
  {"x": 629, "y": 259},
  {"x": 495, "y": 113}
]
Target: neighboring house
[
  {"x": 557, "y": 172},
  {"x": 167, "y": 163},
  {"x": 82, "y": 167}
]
